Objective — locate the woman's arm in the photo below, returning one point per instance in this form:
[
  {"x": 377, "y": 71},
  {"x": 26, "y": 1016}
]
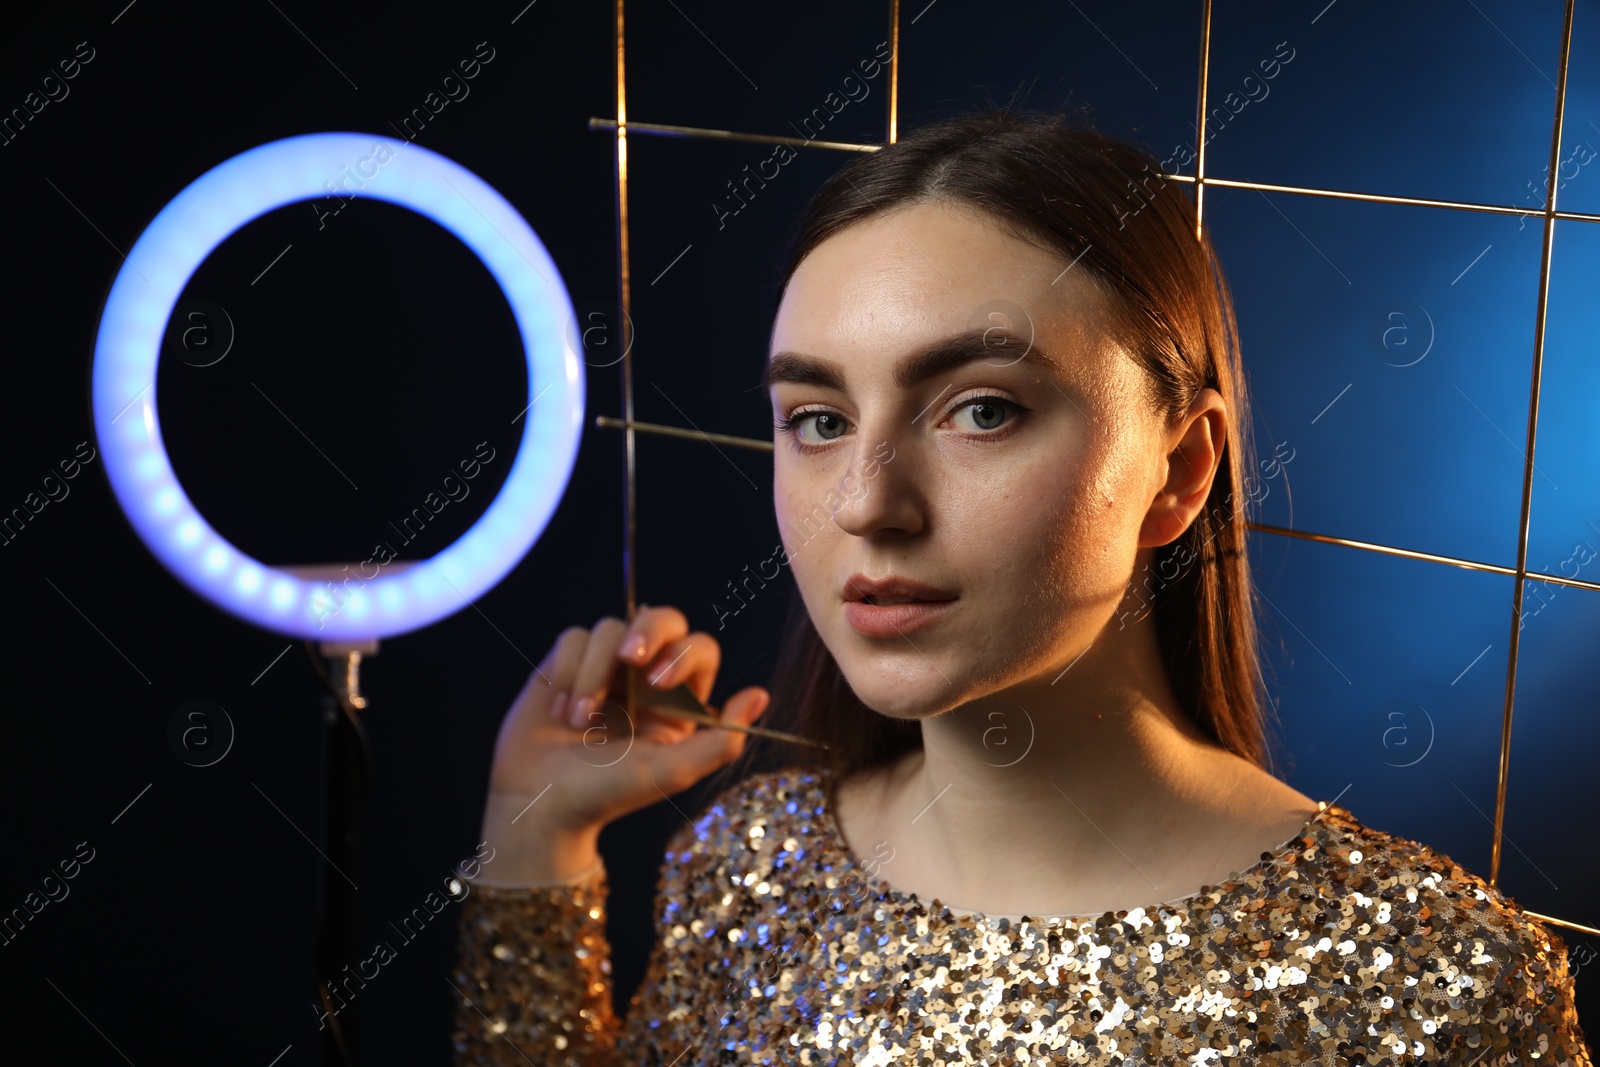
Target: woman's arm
[
  {"x": 534, "y": 971},
  {"x": 533, "y": 965},
  {"x": 534, "y": 974}
]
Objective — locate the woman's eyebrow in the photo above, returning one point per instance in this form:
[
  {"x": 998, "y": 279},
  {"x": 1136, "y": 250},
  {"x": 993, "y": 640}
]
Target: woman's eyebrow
[{"x": 994, "y": 345}]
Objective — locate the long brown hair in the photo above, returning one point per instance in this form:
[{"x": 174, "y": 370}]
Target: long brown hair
[{"x": 1049, "y": 175}]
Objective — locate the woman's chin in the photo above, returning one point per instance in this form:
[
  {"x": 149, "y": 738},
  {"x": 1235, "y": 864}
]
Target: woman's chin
[{"x": 898, "y": 699}]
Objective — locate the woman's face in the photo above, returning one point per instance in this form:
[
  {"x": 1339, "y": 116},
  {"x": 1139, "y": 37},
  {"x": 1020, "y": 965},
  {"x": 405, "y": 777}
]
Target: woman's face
[{"x": 1018, "y": 490}]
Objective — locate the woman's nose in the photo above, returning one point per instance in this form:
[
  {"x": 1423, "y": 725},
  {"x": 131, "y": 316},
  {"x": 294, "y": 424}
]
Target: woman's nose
[{"x": 880, "y": 490}]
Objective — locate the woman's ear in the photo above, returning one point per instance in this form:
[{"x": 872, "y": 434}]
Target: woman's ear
[{"x": 1193, "y": 453}]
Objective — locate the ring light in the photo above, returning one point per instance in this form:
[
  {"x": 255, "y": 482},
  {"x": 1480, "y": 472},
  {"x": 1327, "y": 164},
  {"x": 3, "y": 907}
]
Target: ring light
[{"x": 128, "y": 344}]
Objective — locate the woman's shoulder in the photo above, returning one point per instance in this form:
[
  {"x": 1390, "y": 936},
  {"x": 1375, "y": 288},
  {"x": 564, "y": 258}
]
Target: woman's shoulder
[
  {"x": 1404, "y": 916},
  {"x": 1389, "y": 874}
]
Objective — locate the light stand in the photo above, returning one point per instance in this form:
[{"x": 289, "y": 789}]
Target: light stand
[
  {"x": 344, "y": 613},
  {"x": 346, "y": 784}
]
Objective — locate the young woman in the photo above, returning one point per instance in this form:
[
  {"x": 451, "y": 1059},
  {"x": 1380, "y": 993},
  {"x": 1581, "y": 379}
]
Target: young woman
[{"x": 1011, "y": 471}]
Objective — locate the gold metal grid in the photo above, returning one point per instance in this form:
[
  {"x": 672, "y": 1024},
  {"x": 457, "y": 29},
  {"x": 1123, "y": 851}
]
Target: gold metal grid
[{"x": 1520, "y": 573}]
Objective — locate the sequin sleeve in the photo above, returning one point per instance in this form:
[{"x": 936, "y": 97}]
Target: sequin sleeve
[
  {"x": 533, "y": 974},
  {"x": 1490, "y": 984},
  {"x": 534, "y": 970}
]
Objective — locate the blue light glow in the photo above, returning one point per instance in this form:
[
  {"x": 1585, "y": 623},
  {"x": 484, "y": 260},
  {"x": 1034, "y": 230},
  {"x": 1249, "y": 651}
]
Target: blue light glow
[{"x": 140, "y": 304}]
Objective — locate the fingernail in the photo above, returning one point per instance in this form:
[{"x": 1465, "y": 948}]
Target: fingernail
[
  {"x": 639, "y": 650},
  {"x": 558, "y": 706},
  {"x": 580, "y": 710},
  {"x": 660, "y": 673}
]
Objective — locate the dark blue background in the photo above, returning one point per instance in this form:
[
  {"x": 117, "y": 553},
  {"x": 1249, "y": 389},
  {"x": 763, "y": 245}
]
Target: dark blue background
[{"x": 188, "y": 937}]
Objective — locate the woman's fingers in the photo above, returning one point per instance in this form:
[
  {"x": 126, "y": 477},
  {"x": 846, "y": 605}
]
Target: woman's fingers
[
  {"x": 581, "y": 681},
  {"x": 631, "y": 754},
  {"x": 547, "y": 681},
  {"x": 595, "y": 670},
  {"x": 693, "y": 660},
  {"x": 544, "y": 691},
  {"x": 612, "y": 646},
  {"x": 651, "y": 628},
  {"x": 665, "y": 731},
  {"x": 676, "y": 767}
]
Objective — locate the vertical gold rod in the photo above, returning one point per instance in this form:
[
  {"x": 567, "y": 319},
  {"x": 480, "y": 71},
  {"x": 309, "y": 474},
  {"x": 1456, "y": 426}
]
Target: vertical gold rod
[
  {"x": 1200, "y": 134},
  {"x": 894, "y": 69},
  {"x": 624, "y": 294},
  {"x": 1518, "y": 583}
]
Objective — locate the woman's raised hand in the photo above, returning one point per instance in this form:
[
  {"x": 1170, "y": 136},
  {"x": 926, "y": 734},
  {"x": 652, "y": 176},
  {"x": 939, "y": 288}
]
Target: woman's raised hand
[{"x": 569, "y": 758}]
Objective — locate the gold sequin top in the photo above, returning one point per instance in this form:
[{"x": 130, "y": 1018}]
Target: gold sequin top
[{"x": 1345, "y": 946}]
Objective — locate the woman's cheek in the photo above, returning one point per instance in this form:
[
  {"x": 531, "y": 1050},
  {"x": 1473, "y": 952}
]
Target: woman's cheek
[{"x": 1069, "y": 530}]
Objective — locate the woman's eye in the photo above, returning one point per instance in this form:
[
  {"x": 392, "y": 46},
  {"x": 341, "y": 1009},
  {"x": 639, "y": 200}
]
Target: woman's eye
[
  {"x": 829, "y": 425},
  {"x": 988, "y": 412}
]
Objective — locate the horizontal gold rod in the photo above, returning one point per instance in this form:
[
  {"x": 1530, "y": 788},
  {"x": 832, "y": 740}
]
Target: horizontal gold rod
[
  {"x": 1561, "y": 922},
  {"x": 607, "y": 422},
  {"x": 1556, "y": 579},
  {"x": 596, "y": 123},
  {"x": 1427, "y": 557},
  {"x": 1380, "y": 198}
]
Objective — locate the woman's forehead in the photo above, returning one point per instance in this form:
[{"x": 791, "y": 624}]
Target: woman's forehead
[
  {"x": 926, "y": 267},
  {"x": 919, "y": 274}
]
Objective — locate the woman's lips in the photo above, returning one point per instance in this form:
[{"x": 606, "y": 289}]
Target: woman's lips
[{"x": 893, "y": 620}]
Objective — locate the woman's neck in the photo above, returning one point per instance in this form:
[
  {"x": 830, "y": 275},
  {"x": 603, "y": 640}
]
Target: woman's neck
[{"x": 1067, "y": 799}]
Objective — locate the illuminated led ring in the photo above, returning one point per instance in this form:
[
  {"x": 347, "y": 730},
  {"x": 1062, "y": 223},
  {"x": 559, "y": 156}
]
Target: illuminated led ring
[{"x": 128, "y": 345}]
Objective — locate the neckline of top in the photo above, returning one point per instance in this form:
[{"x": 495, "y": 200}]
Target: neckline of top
[{"x": 835, "y": 844}]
